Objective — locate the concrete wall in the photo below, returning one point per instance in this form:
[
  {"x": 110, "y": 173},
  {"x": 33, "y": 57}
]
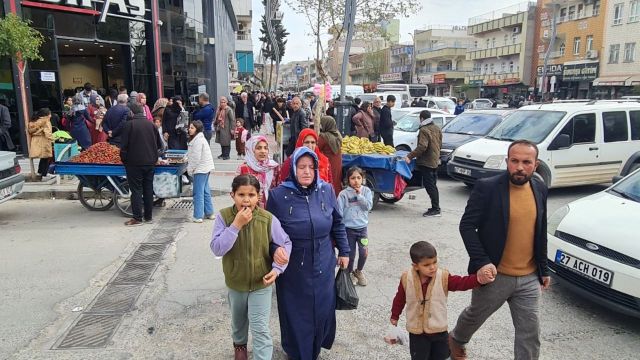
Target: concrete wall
[{"x": 627, "y": 32}]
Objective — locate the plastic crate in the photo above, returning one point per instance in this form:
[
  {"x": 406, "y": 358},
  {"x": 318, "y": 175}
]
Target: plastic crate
[{"x": 64, "y": 152}]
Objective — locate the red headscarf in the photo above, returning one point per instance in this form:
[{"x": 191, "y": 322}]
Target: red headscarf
[{"x": 323, "y": 161}]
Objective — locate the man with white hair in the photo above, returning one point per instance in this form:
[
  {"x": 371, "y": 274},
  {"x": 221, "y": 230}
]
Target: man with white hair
[
  {"x": 115, "y": 118},
  {"x": 245, "y": 111},
  {"x": 141, "y": 99}
]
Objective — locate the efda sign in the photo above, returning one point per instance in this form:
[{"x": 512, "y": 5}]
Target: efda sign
[{"x": 128, "y": 9}]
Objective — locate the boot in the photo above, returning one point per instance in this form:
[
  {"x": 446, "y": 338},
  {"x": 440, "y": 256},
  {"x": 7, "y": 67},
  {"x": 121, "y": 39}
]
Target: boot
[
  {"x": 359, "y": 275},
  {"x": 458, "y": 352},
  {"x": 240, "y": 352}
]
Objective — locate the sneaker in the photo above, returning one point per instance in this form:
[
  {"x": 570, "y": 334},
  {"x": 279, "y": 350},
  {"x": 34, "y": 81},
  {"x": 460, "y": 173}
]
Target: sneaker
[
  {"x": 354, "y": 279},
  {"x": 359, "y": 275},
  {"x": 133, "y": 222},
  {"x": 150, "y": 221},
  {"x": 219, "y": 156},
  {"x": 458, "y": 351},
  {"x": 199, "y": 221},
  {"x": 210, "y": 217},
  {"x": 432, "y": 213}
]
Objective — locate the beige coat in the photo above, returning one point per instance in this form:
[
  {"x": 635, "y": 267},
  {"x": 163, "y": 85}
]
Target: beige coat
[
  {"x": 41, "y": 138},
  {"x": 426, "y": 314}
]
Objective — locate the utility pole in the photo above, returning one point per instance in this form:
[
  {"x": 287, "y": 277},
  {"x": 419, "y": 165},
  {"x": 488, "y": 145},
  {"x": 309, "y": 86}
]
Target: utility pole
[
  {"x": 342, "y": 107},
  {"x": 553, "y": 6},
  {"x": 271, "y": 14}
]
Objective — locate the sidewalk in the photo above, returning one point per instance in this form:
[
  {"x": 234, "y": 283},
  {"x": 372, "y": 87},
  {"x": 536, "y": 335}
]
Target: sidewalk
[{"x": 65, "y": 187}]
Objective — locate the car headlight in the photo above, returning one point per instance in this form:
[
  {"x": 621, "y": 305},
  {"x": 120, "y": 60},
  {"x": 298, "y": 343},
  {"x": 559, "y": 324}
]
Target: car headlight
[
  {"x": 496, "y": 162},
  {"x": 556, "y": 218}
]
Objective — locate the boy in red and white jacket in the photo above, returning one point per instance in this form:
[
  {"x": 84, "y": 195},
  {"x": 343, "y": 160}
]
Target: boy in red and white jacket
[
  {"x": 424, "y": 289},
  {"x": 240, "y": 135}
]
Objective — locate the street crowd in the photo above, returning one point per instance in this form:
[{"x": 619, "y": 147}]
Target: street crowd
[{"x": 291, "y": 224}]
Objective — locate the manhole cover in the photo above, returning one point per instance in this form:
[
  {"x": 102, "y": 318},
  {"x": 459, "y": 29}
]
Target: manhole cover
[
  {"x": 148, "y": 253},
  {"x": 116, "y": 299},
  {"x": 183, "y": 205},
  {"x": 135, "y": 273},
  {"x": 90, "y": 331}
]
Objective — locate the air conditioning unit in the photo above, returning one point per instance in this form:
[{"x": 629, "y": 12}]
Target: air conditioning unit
[
  {"x": 592, "y": 54},
  {"x": 516, "y": 30}
]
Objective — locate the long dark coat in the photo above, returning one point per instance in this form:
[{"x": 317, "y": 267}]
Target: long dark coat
[
  {"x": 224, "y": 135},
  {"x": 177, "y": 139},
  {"x": 306, "y": 290}
]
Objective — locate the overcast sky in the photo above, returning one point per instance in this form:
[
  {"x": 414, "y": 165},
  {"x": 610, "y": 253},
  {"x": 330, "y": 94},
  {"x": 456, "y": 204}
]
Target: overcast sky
[{"x": 301, "y": 44}]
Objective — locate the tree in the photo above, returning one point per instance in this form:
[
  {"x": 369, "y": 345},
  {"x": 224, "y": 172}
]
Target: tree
[
  {"x": 374, "y": 64},
  {"x": 268, "y": 51},
  {"x": 20, "y": 42}
]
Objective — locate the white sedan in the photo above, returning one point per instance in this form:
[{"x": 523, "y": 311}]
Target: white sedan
[
  {"x": 405, "y": 133},
  {"x": 594, "y": 245}
]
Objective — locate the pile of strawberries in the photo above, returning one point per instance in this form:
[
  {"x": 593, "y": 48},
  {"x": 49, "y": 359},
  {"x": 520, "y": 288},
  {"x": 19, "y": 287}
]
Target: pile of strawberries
[{"x": 99, "y": 153}]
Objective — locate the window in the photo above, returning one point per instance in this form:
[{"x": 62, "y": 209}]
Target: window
[
  {"x": 475, "y": 44},
  {"x": 492, "y": 68},
  {"x": 635, "y": 124},
  {"x": 614, "y": 53},
  {"x": 634, "y": 11},
  {"x": 506, "y": 39},
  {"x": 563, "y": 14},
  {"x": 596, "y": 8},
  {"x": 493, "y": 42},
  {"x": 580, "y": 11},
  {"x": 617, "y": 13},
  {"x": 589, "y": 42},
  {"x": 572, "y": 12},
  {"x": 511, "y": 69},
  {"x": 514, "y": 39},
  {"x": 581, "y": 129},
  {"x": 615, "y": 126},
  {"x": 629, "y": 52},
  {"x": 488, "y": 43},
  {"x": 486, "y": 68},
  {"x": 562, "y": 49},
  {"x": 576, "y": 46},
  {"x": 503, "y": 67}
]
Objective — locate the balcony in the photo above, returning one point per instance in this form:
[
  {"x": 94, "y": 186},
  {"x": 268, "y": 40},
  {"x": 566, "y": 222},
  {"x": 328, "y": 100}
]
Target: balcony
[
  {"x": 448, "y": 52},
  {"x": 506, "y": 78},
  {"x": 399, "y": 68},
  {"x": 494, "y": 52},
  {"x": 498, "y": 20}
]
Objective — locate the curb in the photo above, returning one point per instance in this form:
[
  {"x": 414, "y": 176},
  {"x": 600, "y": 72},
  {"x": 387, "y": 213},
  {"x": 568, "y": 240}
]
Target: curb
[{"x": 73, "y": 195}]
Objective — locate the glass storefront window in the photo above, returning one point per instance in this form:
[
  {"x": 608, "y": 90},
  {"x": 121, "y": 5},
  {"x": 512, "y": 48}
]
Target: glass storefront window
[
  {"x": 48, "y": 53},
  {"x": 114, "y": 29},
  {"x": 75, "y": 25}
]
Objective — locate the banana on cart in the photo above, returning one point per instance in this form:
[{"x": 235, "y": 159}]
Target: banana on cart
[{"x": 356, "y": 146}]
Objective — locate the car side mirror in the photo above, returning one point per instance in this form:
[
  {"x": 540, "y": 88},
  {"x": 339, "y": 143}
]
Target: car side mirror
[
  {"x": 561, "y": 142},
  {"x": 616, "y": 178}
]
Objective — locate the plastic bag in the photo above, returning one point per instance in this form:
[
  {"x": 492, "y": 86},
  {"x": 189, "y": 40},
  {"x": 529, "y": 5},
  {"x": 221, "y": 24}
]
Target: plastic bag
[
  {"x": 396, "y": 335},
  {"x": 400, "y": 185},
  {"x": 346, "y": 295},
  {"x": 165, "y": 185}
]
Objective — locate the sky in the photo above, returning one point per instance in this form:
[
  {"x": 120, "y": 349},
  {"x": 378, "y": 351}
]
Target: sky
[{"x": 301, "y": 44}]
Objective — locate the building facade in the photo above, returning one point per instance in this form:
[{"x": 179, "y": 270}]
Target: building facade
[
  {"x": 371, "y": 68},
  {"x": 163, "y": 48},
  {"x": 503, "y": 47},
  {"x": 244, "y": 44},
  {"x": 441, "y": 58},
  {"x": 570, "y": 42},
  {"x": 400, "y": 65},
  {"x": 620, "y": 63}
]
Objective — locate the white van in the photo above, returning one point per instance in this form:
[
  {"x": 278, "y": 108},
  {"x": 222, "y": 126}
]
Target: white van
[
  {"x": 400, "y": 98},
  {"x": 579, "y": 143}
]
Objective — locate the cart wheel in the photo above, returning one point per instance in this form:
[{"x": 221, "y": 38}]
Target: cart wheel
[
  {"x": 371, "y": 184},
  {"x": 95, "y": 199},
  {"x": 123, "y": 203},
  {"x": 390, "y": 198}
]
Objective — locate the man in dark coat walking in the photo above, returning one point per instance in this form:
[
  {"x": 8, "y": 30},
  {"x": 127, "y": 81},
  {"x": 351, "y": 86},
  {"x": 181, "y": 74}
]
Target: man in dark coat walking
[
  {"x": 386, "y": 121},
  {"x": 139, "y": 154},
  {"x": 298, "y": 122},
  {"x": 245, "y": 110}
]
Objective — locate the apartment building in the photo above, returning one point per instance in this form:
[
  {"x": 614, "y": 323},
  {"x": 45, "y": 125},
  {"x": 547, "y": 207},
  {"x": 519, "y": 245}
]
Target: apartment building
[
  {"x": 570, "y": 41},
  {"x": 368, "y": 69},
  {"x": 441, "y": 58},
  {"x": 502, "y": 52},
  {"x": 620, "y": 61},
  {"x": 244, "y": 44},
  {"x": 400, "y": 65}
]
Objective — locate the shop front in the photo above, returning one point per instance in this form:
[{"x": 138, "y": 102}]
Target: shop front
[
  {"x": 616, "y": 86},
  {"x": 577, "y": 79},
  {"x": 504, "y": 89}
]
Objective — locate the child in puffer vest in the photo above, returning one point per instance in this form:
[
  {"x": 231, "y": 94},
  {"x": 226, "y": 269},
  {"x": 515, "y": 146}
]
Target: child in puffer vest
[
  {"x": 243, "y": 235},
  {"x": 424, "y": 289}
]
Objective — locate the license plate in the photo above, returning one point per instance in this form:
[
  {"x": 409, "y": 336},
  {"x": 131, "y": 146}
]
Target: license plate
[
  {"x": 462, "y": 171},
  {"x": 584, "y": 268},
  {"x": 5, "y": 192}
]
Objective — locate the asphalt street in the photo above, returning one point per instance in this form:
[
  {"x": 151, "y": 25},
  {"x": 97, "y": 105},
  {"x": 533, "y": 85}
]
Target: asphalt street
[{"x": 56, "y": 257}]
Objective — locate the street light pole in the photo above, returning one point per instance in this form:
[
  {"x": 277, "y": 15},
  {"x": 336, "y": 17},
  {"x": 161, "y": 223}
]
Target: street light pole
[{"x": 412, "y": 72}]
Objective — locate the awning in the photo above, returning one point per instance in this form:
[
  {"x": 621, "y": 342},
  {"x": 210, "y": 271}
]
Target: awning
[
  {"x": 633, "y": 81},
  {"x": 611, "y": 80}
]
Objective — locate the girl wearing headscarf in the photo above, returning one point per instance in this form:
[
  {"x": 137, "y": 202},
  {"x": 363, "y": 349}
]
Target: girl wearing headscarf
[
  {"x": 308, "y": 138},
  {"x": 258, "y": 163},
  {"x": 79, "y": 121},
  {"x": 96, "y": 111},
  {"x": 330, "y": 144}
]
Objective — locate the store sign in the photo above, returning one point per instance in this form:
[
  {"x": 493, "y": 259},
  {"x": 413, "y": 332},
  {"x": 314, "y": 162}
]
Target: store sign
[
  {"x": 551, "y": 70},
  {"x": 439, "y": 78},
  {"x": 47, "y": 76},
  {"x": 128, "y": 9},
  {"x": 580, "y": 72},
  {"x": 391, "y": 77}
]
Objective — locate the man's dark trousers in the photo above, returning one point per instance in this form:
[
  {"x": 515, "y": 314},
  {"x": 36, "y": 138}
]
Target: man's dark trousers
[
  {"x": 429, "y": 181},
  {"x": 140, "y": 180}
]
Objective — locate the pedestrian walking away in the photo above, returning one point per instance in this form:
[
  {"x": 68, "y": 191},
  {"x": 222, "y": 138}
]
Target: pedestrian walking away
[
  {"x": 79, "y": 120},
  {"x": 424, "y": 290},
  {"x": 139, "y": 153},
  {"x": 199, "y": 167},
  {"x": 427, "y": 155},
  {"x": 354, "y": 204},
  {"x": 504, "y": 228},
  {"x": 243, "y": 235}
]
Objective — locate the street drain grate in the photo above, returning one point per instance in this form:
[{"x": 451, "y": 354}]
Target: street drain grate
[
  {"x": 161, "y": 239},
  {"x": 172, "y": 231},
  {"x": 90, "y": 331},
  {"x": 116, "y": 299},
  {"x": 148, "y": 253},
  {"x": 183, "y": 205},
  {"x": 135, "y": 273}
]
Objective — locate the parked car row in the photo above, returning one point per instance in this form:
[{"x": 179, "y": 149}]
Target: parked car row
[{"x": 11, "y": 180}]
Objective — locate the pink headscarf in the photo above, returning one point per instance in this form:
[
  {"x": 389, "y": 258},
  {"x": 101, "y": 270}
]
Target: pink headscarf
[{"x": 264, "y": 169}]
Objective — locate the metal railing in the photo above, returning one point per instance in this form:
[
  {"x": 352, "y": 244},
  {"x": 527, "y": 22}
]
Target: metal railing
[{"x": 497, "y": 14}]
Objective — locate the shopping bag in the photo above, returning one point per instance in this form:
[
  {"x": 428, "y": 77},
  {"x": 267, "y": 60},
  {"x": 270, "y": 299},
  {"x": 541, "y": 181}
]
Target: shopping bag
[
  {"x": 396, "y": 335},
  {"x": 166, "y": 185},
  {"x": 346, "y": 295},
  {"x": 399, "y": 187}
]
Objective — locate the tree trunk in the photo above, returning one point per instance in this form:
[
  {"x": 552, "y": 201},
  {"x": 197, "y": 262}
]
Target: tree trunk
[
  {"x": 270, "y": 74},
  {"x": 22, "y": 65}
]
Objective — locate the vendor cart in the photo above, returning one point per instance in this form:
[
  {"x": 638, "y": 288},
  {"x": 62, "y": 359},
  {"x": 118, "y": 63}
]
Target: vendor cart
[
  {"x": 103, "y": 185},
  {"x": 381, "y": 172}
]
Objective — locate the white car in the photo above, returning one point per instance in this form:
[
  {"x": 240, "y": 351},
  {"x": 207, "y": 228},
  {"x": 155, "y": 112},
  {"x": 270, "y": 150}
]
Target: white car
[
  {"x": 482, "y": 103},
  {"x": 405, "y": 133},
  {"x": 593, "y": 245},
  {"x": 11, "y": 180}
]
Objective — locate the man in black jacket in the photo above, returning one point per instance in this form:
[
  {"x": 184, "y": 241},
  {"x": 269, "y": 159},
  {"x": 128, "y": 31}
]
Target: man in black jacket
[
  {"x": 504, "y": 228},
  {"x": 386, "y": 121},
  {"x": 298, "y": 122},
  {"x": 115, "y": 118},
  {"x": 139, "y": 154},
  {"x": 245, "y": 110}
]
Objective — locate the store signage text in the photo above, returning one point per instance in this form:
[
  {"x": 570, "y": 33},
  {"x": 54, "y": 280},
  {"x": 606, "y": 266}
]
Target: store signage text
[
  {"x": 580, "y": 72},
  {"x": 551, "y": 70},
  {"x": 128, "y": 9},
  {"x": 439, "y": 78},
  {"x": 391, "y": 77}
]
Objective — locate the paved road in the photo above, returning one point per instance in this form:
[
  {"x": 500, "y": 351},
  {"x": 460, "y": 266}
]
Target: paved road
[{"x": 56, "y": 256}]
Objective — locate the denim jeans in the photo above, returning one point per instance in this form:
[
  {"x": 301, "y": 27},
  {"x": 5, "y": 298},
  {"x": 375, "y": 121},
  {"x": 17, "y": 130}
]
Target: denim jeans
[
  {"x": 252, "y": 310},
  {"x": 202, "y": 205}
]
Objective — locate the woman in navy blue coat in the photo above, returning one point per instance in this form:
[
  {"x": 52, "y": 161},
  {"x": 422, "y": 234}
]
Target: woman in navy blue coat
[
  {"x": 79, "y": 119},
  {"x": 306, "y": 208}
]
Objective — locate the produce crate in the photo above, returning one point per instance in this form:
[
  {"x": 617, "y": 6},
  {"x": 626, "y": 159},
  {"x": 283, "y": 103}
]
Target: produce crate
[{"x": 64, "y": 152}]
